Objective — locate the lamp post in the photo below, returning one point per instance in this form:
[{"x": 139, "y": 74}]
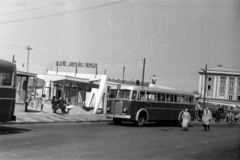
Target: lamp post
[
  {"x": 28, "y": 48},
  {"x": 123, "y": 74},
  {"x": 204, "y": 96}
]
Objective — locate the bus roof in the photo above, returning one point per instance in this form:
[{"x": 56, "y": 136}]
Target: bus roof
[
  {"x": 7, "y": 64},
  {"x": 152, "y": 89}
]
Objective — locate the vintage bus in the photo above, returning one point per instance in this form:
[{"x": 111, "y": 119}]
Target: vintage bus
[
  {"x": 140, "y": 104},
  {"x": 7, "y": 91}
]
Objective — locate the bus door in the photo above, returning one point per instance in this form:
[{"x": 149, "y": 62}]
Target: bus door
[{"x": 169, "y": 114}]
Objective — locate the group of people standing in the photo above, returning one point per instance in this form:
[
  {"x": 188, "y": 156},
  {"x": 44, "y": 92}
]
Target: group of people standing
[
  {"x": 206, "y": 119},
  {"x": 59, "y": 104}
]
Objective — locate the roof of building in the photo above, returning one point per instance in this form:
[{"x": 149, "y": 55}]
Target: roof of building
[
  {"x": 222, "y": 70},
  {"x": 225, "y": 69}
]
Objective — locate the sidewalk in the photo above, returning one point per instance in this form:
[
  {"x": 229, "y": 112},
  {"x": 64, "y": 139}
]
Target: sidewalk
[{"x": 75, "y": 115}]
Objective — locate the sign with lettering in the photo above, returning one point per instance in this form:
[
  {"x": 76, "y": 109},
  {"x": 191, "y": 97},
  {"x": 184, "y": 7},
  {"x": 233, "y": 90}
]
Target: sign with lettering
[{"x": 76, "y": 64}]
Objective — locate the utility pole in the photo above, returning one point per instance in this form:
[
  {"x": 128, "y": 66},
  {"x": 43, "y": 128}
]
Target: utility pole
[
  {"x": 28, "y": 48},
  {"x": 123, "y": 74},
  {"x": 204, "y": 96},
  {"x": 143, "y": 71}
]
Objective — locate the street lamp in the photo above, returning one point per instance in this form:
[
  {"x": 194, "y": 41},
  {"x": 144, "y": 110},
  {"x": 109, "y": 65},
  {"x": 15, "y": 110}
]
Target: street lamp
[
  {"x": 28, "y": 48},
  {"x": 204, "y": 96}
]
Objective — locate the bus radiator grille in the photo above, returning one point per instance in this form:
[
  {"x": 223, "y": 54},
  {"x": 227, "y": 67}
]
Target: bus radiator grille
[{"x": 116, "y": 107}]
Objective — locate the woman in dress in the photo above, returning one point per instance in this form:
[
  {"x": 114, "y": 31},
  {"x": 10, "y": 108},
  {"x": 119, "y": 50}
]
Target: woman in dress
[
  {"x": 206, "y": 119},
  {"x": 186, "y": 118}
]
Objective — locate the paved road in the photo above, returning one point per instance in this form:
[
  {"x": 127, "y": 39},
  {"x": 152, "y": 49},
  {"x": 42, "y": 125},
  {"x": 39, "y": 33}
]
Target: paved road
[{"x": 106, "y": 141}]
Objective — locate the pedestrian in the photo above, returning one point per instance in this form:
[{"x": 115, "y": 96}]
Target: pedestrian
[
  {"x": 186, "y": 118},
  {"x": 43, "y": 101},
  {"x": 206, "y": 119},
  {"x": 54, "y": 104},
  {"x": 218, "y": 115},
  {"x": 28, "y": 100}
]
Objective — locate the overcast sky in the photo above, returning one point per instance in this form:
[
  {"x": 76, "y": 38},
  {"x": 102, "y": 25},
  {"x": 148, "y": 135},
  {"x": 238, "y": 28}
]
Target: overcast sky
[{"x": 177, "y": 38}]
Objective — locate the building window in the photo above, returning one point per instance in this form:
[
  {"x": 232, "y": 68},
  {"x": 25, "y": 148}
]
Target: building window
[
  {"x": 231, "y": 84},
  {"x": 238, "y": 98},
  {"x": 209, "y": 87},
  {"x": 222, "y": 85},
  {"x": 230, "y": 97},
  {"x": 238, "y": 87},
  {"x": 209, "y": 95},
  {"x": 210, "y": 78}
]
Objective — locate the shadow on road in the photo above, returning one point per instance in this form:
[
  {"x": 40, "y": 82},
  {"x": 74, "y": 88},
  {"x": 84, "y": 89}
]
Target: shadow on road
[
  {"x": 150, "y": 124},
  {"x": 12, "y": 130}
]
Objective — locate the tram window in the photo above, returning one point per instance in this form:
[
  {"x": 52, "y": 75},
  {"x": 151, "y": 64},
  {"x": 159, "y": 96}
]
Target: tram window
[
  {"x": 169, "y": 97},
  {"x": 5, "y": 77},
  {"x": 190, "y": 99},
  {"x": 142, "y": 96},
  {"x": 134, "y": 94}
]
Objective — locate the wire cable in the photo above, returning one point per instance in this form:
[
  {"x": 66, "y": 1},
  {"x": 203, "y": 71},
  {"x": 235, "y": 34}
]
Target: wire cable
[
  {"x": 12, "y": 45},
  {"x": 36, "y": 8},
  {"x": 68, "y": 12}
]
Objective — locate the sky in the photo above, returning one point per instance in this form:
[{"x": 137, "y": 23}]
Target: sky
[{"x": 176, "y": 38}]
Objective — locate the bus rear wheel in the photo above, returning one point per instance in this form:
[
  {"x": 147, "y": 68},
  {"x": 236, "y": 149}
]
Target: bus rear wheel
[
  {"x": 141, "y": 120},
  {"x": 117, "y": 121}
]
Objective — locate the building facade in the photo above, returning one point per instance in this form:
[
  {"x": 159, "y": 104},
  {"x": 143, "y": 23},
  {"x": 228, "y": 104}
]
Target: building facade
[{"x": 221, "y": 83}]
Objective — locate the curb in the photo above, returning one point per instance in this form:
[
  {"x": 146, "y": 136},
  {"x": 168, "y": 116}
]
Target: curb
[{"x": 42, "y": 122}]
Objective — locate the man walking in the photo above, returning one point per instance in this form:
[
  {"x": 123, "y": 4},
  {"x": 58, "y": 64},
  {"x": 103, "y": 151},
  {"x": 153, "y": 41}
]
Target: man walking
[{"x": 207, "y": 116}]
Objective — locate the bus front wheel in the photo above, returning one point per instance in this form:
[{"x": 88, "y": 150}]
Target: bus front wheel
[
  {"x": 141, "y": 120},
  {"x": 117, "y": 121}
]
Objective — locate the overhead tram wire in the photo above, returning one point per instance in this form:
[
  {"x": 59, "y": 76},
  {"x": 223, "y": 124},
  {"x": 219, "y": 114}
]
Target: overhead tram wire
[
  {"x": 31, "y": 9},
  {"x": 68, "y": 12},
  {"x": 10, "y": 45}
]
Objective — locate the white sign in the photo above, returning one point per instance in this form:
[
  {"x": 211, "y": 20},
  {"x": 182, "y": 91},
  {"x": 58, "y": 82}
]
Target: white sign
[{"x": 76, "y": 64}]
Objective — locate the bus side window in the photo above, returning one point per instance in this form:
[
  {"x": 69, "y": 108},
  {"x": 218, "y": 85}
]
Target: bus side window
[
  {"x": 190, "y": 99},
  {"x": 169, "y": 98},
  {"x": 142, "y": 96},
  {"x": 186, "y": 99},
  {"x": 174, "y": 98},
  {"x": 179, "y": 98},
  {"x": 134, "y": 95},
  {"x": 183, "y": 99},
  {"x": 153, "y": 96},
  {"x": 149, "y": 96}
]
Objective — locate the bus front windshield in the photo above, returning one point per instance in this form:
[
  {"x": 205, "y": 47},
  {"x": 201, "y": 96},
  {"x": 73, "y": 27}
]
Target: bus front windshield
[
  {"x": 5, "y": 77},
  {"x": 125, "y": 94},
  {"x": 113, "y": 93}
]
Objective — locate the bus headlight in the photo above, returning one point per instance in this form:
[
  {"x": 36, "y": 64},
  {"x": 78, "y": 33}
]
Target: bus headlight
[{"x": 125, "y": 110}]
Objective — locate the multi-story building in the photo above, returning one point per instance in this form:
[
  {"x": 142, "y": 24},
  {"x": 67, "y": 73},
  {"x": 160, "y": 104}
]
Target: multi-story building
[{"x": 222, "y": 83}]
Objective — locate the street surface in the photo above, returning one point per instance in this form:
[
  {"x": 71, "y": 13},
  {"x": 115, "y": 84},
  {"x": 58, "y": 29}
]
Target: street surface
[{"x": 106, "y": 141}]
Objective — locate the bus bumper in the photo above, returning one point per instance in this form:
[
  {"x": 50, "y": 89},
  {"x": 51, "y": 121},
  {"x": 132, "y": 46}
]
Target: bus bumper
[{"x": 118, "y": 116}]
